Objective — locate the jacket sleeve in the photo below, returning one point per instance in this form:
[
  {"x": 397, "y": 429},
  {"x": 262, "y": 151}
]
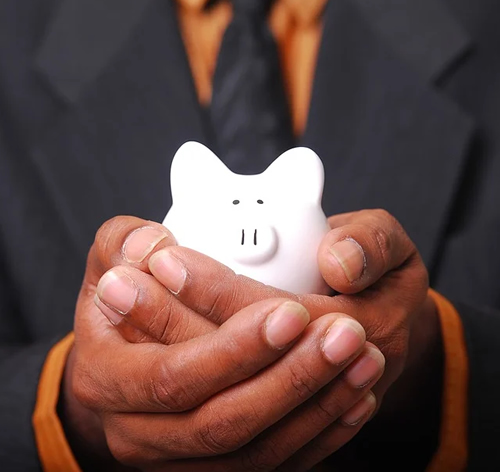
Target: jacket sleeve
[
  {"x": 20, "y": 370},
  {"x": 22, "y": 356},
  {"x": 21, "y": 362},
  {"x": 482, "y": 335}
]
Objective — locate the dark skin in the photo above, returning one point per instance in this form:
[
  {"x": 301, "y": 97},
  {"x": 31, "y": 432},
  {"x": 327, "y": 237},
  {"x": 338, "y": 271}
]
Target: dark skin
[{"x": 191, "y": 373}]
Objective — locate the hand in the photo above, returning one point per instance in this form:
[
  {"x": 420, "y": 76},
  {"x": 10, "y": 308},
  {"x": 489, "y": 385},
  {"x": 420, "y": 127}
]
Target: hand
[
  {"x": 377, "y": 271},
  {"x": 247, "y": 394},
  {"x": 369, "y": 259},
  {"x": 380, "y": 278}
]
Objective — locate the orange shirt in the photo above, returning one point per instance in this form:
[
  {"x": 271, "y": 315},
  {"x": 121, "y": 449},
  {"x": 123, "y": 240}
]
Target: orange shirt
[{"x": 297, "y": 27}]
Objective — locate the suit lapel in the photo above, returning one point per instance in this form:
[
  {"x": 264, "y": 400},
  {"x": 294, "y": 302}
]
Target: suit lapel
[
  {"x": 423, "y": 34},
  {"x": 126, "y": 108},
  {"x": 388, "y": 137},
  {"x": 82, "y": 38}
]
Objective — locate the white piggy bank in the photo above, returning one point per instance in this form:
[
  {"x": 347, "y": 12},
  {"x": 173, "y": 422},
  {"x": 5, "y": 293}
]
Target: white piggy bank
[{"x": 266, "y": 226}]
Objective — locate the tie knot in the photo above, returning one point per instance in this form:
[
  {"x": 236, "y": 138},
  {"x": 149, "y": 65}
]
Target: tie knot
[{"x": 253, "y": 8}]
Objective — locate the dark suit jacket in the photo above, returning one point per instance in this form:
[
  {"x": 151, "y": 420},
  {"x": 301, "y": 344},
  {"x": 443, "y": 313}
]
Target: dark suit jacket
[{"x": 96, "y": 96}]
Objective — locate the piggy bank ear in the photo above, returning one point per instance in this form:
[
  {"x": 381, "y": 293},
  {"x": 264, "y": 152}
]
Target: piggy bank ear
[
  {"x": 194, "y": 170},
  {"x": 298, "y": 173}
]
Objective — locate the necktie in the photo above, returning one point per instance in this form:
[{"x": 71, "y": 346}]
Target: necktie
[{"x": 249, "y": 110}]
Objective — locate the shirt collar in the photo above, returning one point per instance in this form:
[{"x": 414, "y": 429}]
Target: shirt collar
[{"x": 304, "y": 11}]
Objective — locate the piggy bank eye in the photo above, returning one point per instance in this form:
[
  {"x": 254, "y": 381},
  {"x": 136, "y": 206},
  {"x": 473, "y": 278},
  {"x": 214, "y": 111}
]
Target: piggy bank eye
[
  {"x": 260, "y": 202},
  {"x": 235, "y": 202}
]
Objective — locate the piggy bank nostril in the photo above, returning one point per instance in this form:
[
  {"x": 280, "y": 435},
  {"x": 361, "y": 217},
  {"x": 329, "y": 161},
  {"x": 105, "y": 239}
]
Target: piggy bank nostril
[
  {"x": 243, "y": 237},
  {"x": 254, "y": 245}
]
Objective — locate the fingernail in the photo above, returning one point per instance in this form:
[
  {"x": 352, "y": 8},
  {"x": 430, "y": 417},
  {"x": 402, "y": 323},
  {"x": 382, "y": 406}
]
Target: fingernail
[
  {"x": 113, "y": 316},
  {"x": 118, "y": 291},
  {"x": 285, "y": 323},
  {"x": 344, "y": 338},
  {"x": 366, "y": 368},
  {"x": 141, "y": 242},
  {"x": 168, "y": 270},
  {"x": 351, "y": 257},
  {"x": 362, "y": 410}
]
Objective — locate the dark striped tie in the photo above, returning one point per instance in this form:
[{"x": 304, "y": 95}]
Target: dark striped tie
[{"x": 249, "y": 110}]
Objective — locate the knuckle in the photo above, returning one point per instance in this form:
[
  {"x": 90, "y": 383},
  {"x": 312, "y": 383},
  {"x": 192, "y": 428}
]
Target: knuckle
[
  {"x": 124, "y": 451},
  {"x": 104, "y": 232},
  {"x": 382, "y": 215},
  {"x": 383, "y": 244},
  {"x": 223, "y": 433},
  {"x": 105, "y": 236},
  {"x": 164, "y": 324},
  {"x": 172, "y": 392},
  {"x": 329, "y": 408},
  {"x": 222, "y": 294},
  {"x": 303, "y": 382},
  {"x": 239, "y": 363},
  {"x": 416, "y": 285},
  {"x": 392, "y": 339}
]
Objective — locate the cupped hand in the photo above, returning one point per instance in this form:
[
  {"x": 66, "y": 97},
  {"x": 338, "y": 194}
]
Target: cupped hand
[
  {"x": 367, "y": 258},
  {"x": 248, "y": 394}
]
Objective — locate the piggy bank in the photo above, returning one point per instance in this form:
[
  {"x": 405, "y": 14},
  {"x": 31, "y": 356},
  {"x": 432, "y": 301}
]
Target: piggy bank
[{"x": 266, "y": 226}]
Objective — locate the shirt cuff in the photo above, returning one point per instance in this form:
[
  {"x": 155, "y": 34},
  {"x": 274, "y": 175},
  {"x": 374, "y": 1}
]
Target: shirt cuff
[
  {"x": 53, "y": 448},
  {"x": 452, "y": 452}
]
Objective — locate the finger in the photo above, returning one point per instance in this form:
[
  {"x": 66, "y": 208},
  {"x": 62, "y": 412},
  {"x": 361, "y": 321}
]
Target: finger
[
  {"x": 215, "y": 291},
  {"x": 293, "y": 452},
  {"x": 387, "y": 312},
  {"x": 333, "y": 437},
  {"x": 236, "y": 415},
  {"x": 205, "y": 285},
  {"x": 334, "y": 401},
  {"x": 361, "y": 248},
  {"x": 118, "y": 376},
  {"x": 125, "y": 240},
  {"x": 127, "y": 296}
]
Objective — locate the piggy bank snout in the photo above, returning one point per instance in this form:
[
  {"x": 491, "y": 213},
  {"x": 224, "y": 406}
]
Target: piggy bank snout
[{"x": 253, "y": 243}]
